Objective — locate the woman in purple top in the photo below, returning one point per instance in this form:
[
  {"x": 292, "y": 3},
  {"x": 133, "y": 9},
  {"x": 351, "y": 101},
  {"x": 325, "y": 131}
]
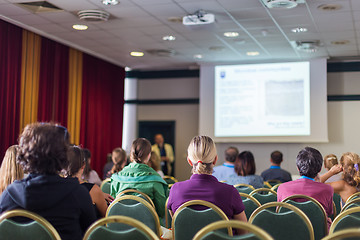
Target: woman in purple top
[{"x": 202, "y": 185}]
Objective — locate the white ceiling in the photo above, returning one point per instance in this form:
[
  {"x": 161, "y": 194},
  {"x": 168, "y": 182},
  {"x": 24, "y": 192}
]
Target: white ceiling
[{"x": 139, "y": 25}]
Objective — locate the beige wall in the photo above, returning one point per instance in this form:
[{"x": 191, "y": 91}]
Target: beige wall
[{"x": 343, "y": 120}]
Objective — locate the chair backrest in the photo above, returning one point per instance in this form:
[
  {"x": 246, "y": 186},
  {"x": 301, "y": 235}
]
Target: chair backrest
[
  {"x": 313, "y": 210},
  {"x": 355, "y": 195},
  {"x": 347, "y": 219},
  {"x": 244, "y": 188},
  {"x": 351, "y": 233},
  {"x": 275, "y": 187},
  {"x": 138, "y": 230},
  {"x": 170, "y": 179},
  {"x": 136, "y": 193},
  {"x": 209, "y": 232},
  {"x": 105, "y": 185},
  {"x": 250, "y": 204},
  {"x": 264, "y": 195},
  {"x": 168, "y": 218},
  {"x": 38, "y": 228},
  {"x": 271, "y": 183},
  {"x": 137, "y": 208},
  {"x": 187, "y": 222},
  {"x": 292, "y": 224}
]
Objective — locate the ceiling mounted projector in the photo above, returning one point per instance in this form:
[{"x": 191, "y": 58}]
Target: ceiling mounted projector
[
  {"x": 200, "y": 17},
  {"x": 282, "y": 4},
  {"x": 308, "y": 46}
]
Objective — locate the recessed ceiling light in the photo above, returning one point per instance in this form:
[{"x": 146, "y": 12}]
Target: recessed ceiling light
[
  {"x": 252, "y": 53},
  {"x": 341, "y": 42},
  {"x": 137, "y": 54},
  {"x": 216, "y": 48},
  {"x": 231, "y": 34},
  {"x": 80, "y": 27},
  {"x": 329, "y": 7},
  {"x": 299, "y": 30},
  {"x": 169, "y": 38},
  {"x": 175, "y": 19},
  {"x": 128, "y": 69},
  {"x": 110, "y": 2},
  {"x": 198, "y": 56}
]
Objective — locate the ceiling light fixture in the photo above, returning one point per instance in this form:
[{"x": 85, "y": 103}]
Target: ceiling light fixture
[
  {"x": 80, "y": 27},
  {"x": 93, "y": 15},
  {"x": 329, "y": 7},
  {"x": 299, "y": 30},
  {"x": 231, "y": 34},
  {"x": 309, "y": 46},
  {"x": 198, "y": 56},
  {"x": 169, "y": 38},
  {"x": 137, "y": 54},
  {"x": 252, "y": 53},
  {"x": 110, "y": 2},
  {"x": 282, "y": 4},
  {"x": 340, "y": 42}
]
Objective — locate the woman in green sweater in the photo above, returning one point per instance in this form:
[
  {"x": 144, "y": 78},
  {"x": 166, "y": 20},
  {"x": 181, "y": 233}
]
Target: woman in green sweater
[{"x": 137, "y": 175}]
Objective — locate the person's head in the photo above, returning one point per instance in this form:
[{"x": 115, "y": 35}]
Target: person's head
[
  {"x": 276, "y": 157},
  {"x": 87, "y": 155},
  {"x": 245, "y": 164},
  {"x": 202, "y": 155},
  {"x": 154, "y": 161},
  {"x": 230, "y": 154},
  {"x": 10, "y": 170},
  {"x": 43, "y": 148},
  {"x": 140, "y": 151},
  {"x": 77, "y": 161},
  {"x": 350, "y": 163},
  {"x": 329, "y": 161},
  {"x": 159, "y": 139},
  {"x": 309, "y": 162},
  {"x": 118, "y": 156}
]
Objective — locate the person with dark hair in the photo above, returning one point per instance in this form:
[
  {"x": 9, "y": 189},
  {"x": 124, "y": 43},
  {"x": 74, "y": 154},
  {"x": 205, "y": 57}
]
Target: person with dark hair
[
  {"x": 245, "y": 169},
  {"x": 228, "y": 167},
  {"x": 89, "y": 175},
  {"x": 119, "y": 160},
  {"x": 138, "y": 175},
  {"x": 108, "y": 166},
  {"x": 63, "y": 202},
  {"x": 275, "y": 172},
  {"x": 309, "y": 162},
  {"x": 77, "y": 163}
]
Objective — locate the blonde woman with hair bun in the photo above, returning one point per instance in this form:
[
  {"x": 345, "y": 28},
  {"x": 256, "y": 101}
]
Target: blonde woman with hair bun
[
  {"x": 202, "y": 156},
  {"x": 329, "y": 161},
  {"x": 350, "y": 182},
  {"x": 10, "y": 170}
]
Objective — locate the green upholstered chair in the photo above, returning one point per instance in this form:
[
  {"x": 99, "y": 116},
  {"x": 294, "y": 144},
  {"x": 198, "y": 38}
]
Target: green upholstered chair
[
  {"x": 294, "y": 224},
  {"x": 187, "y": 222},
  {"x": 271, "y": 183},
  {"x": 349, "y": 218},
  {"x": 347, "y": 234},
  {"x": 105, "y": 185},
  {"x": 170, "y": 179},
  {"x": 134, "y": 207},
  {"x": 168, "y": 217},
  {"x": 38, "y": 228},
  {"x": 337, "y": 201},
  {"x": 275, "y": 187},
  {"x": 313, "y": 210},
  {"x": 355, "y": 202},
  {"x": 137, "y": 230},
  {"x": 253, "y": 232},
  {"x": 244, "y": 188},
  {"x": 250, "y": 204},
  {"x": 355, "y": 195},
  {"x": 138, "y": 194},
  {"x": 264, "y": 195}
]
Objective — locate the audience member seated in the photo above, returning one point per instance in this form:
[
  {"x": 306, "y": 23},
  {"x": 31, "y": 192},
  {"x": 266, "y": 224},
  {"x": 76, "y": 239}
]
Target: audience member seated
[
  {"x": 309, "y": 162},
  {"x": 77, "y": 162},
  {"x": 224, "y": 171},
  {"x": 275, "y": 172},
  {"x": 155, "y": 163},
  {"x": 62, "y": 201},
  {"x": 118, "y": 157},
  {"x": 202, "y": 185},
  {"x": 10, "y": 170},
  {"x": 245, "y": 171},
  {"x": 89, "y": 175},
  {"x": 108, "y": 166},
  {"x": 138, "y": 175},
  {"x": 329, "y": 161},
  {"x": 351, "y": 176}
]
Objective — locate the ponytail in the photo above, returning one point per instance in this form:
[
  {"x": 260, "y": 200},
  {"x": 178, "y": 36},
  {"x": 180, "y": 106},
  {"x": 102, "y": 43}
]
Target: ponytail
[
  {"x": 119, "y": 159},
  {"x": 350, "y": 162},
  {"x": 202, "y": 153},
  {"x": 140, "y": 150}
]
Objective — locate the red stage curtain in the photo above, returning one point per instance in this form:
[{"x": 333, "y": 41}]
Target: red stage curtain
[
  {"x": 53, "y": 82},
  {"x": 102, "y": 109},
  {"x": 10, "y": 84}
]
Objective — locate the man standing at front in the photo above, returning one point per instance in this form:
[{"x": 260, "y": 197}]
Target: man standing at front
[{"x": 165, "y": 153}]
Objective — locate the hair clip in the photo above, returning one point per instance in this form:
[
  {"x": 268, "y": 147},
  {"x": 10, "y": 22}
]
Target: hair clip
[
  {"x": 356, "y": 166},
  {"x": 200, "y": 162}
]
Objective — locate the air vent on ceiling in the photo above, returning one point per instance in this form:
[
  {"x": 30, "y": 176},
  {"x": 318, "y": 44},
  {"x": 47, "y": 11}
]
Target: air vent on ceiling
[
  {"x": 308, "y": 46},
  {"x": 93, "y": 15},
  {"x": 39, "y": 6},
  {"x": 282, "y": 4},
  {"x": 162, "y": 52}
]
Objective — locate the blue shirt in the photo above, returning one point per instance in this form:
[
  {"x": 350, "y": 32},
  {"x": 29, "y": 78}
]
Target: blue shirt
[{"x": 222, "y": 172}]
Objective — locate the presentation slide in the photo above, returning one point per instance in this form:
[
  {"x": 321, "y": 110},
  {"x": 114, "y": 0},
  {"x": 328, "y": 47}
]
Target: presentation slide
[{"x": 271, "y": 99}]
